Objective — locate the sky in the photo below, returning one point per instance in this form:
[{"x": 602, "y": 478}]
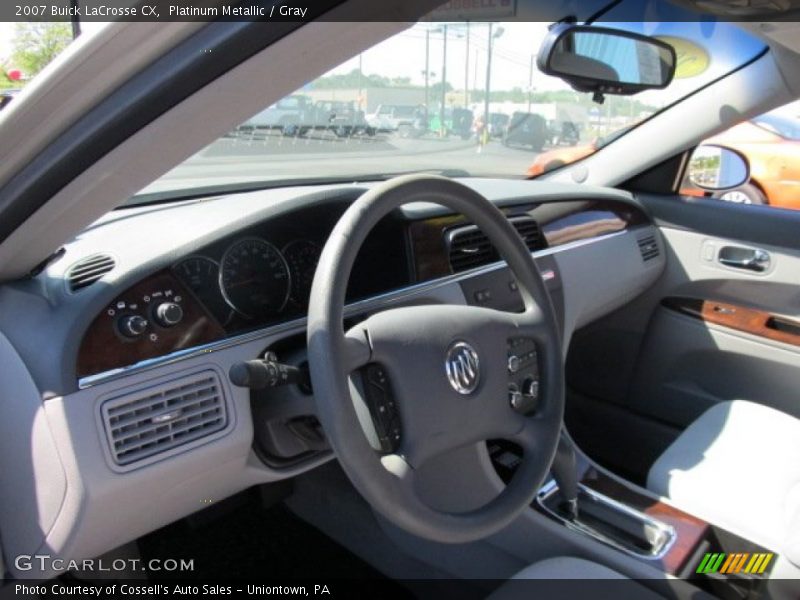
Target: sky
[{"x": 514, "y": 45}]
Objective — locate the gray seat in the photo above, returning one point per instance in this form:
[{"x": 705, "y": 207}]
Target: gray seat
[
  {"x": 552, "y": 572},
  {"x": 738, "y": 467}
]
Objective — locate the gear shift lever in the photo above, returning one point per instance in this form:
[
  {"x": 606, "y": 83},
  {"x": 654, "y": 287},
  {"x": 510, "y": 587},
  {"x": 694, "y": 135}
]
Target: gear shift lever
[{"x": 565, "y": 473}]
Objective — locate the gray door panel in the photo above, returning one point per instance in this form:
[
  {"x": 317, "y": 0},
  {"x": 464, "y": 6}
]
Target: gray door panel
[{"x": 686, "y": 364}]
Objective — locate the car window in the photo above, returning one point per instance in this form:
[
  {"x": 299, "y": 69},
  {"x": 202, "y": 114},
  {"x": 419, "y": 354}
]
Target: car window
[
  {"x": 770, "y": 144},
  {"x": 420, "y": 100},
  {"x": 27, "y": 48}
]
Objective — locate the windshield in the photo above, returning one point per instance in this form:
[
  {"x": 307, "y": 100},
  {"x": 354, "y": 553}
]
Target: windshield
[
  {"x": 786, "y": 128},
  {"x": 417, "y": 102}
]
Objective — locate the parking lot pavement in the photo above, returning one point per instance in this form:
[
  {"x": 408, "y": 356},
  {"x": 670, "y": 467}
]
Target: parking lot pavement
[{"x": 263, "y": 156}]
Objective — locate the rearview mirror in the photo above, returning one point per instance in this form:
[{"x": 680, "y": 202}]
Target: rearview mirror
[
  {"x": 717, "y": 168},
  {"x": 606, "y": 61}
]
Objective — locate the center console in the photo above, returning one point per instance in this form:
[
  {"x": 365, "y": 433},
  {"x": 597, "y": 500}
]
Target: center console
[{"x": 624, "y": 517}]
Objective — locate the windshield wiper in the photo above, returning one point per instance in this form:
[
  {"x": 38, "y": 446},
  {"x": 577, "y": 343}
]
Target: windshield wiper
[{"x": 226, "y": 189}]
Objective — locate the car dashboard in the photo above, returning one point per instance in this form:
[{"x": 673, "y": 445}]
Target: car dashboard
[{"x": 147, "y": 310}]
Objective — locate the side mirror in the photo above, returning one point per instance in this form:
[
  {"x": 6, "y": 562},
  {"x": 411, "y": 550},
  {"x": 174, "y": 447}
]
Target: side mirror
[
  {"x": 717, "y": 168},
  {"x": 606, "y": 61}
]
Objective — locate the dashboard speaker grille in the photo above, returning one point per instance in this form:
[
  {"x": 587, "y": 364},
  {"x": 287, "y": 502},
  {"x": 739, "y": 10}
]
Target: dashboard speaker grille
[
  {"x": 468, "y": 247},
  {"x": 157, "y": 419},
  {"x": 88, "y": 270},
  {"x": 648, "y": 246}
]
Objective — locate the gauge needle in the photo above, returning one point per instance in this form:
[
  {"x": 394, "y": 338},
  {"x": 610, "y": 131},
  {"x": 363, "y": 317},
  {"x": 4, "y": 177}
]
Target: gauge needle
[{"x": 245, "y": 282}]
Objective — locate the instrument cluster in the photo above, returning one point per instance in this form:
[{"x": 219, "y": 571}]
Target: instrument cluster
[{"x": 252, "y": 280}]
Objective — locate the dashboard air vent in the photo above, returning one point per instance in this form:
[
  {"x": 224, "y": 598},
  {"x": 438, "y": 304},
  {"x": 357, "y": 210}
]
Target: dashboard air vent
[
  {"x": 88, "y": 270},
  {"x": 468, "y": 247},
  {"x": 155, "y": 420},
  {"x": 648, "y": 246}
]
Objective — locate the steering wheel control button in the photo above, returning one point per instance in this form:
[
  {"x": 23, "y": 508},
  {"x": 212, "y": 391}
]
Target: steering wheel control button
[
  {"x": 168, "y": 314},
  {"x": 462, "y": 367},
  {"x": 132, "y": 326},
  {"x": 523, "y": 375},
  {"x": 483, "y": 296},
  {"x": 382, "y": 407},
  {"x": 514, "y": 396},
  {"x": 530, "y": 388}
]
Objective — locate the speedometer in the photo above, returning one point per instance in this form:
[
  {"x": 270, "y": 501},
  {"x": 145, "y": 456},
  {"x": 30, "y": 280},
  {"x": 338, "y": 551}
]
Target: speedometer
[{"x": 254, "y": 278}]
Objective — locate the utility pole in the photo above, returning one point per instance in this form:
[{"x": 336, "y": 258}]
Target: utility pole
[
  {"x": 466, "y": 72},
  {"x": 492, "y": 35},
  {"x": 76, "y": 22},
  {"x": 444, "y": 81},
  {"x": 530, "y": 84},
  {"x": 488, "y": 78},
  {"x": 427, "y": 68},
  {"x": 360, "y": 78}
]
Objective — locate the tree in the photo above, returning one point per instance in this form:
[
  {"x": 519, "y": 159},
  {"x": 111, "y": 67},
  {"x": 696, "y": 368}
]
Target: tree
[
  {"x": 436, "y": 88},
  {"x": 36, "y": 44}
]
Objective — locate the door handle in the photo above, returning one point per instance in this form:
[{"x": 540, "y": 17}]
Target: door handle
[{"x": 751, "y": 259}]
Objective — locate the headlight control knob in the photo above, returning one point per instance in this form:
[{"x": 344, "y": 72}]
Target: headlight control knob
[
  {"x": 132, "y": 326},
  {"x": 168, "y": 314}
]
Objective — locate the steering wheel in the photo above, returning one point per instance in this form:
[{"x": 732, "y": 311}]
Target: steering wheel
[{"x": 447, "y": 366}]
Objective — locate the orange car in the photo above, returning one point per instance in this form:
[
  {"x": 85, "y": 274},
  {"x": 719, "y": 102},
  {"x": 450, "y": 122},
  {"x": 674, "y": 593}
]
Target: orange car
[
  {"x": 771, "y": 144},
  {"x": 558, "y": 157}
]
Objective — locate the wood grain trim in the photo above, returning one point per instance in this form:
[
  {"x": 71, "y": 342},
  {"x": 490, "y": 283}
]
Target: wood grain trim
[
  {"x": 103, "y": 348},
  {"x": 740, "y": 318},
  {"x": 560, "y": 223},
  {"x": 691, "y": 531}
]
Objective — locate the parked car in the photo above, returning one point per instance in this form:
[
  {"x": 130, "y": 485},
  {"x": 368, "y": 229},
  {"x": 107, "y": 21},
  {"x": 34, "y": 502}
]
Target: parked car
[
  {"x": 343, "y": 119},
  {"x": 771, "y": 143},
  {"x": 497, "y": 124},
  {"x": 458, "y": 122},
  {"x": 391, "y": 117},
  {"x": 563, "y": 133},
  {"x": 286, "y": 115},
  {"x": 558, "y": 157},
  {"x": 526, "y": 129}
]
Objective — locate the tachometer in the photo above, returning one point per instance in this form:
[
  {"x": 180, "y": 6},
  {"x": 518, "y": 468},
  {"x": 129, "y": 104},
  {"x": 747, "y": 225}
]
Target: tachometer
[
  {"x": 201, "y": 275},
  {"x": 302, "y": 257},
  {"x": 254, "y": 278}
]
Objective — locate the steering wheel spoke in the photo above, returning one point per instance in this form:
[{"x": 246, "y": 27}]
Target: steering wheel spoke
[
  {"x": 357, "y": 351},
  {"x": 528, "y": 433},
  {"x": 529, "y": 324}
]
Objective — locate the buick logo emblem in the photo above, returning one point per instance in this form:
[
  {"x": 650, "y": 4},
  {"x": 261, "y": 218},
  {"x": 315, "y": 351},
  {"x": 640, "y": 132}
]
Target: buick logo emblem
[{"x": 462, "y": 368}]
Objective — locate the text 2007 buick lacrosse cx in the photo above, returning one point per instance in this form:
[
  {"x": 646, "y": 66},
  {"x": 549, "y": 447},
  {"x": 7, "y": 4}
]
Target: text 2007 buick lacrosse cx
[{"x": 278, "y": 304}]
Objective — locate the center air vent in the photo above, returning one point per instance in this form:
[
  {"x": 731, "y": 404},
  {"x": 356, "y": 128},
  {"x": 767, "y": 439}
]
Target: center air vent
[
  {"x": 468, "y": 247},
  {"x": 88, "y": 270},
  {"x": 158, "y": 419},
  {"x": 648, "y": 246}
]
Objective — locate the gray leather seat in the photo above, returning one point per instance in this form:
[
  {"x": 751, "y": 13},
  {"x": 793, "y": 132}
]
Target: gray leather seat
[
  {"x": 738, "y": 466},
  {"x": 574, "y": 569}
]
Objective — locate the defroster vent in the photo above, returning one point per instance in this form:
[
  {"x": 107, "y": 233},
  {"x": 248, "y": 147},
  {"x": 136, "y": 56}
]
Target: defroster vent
[
  {"x": 88, "y": 270},
  {"x": 157, "y": 419},
  {"x": 468, "y": 247}
]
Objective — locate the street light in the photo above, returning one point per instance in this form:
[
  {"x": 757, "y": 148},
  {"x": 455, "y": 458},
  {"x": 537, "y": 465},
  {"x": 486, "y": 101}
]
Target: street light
[{"x": 492, "y": 36}]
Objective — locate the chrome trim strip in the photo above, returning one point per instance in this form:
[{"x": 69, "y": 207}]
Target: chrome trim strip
[
  {"x": 667, "y": 531},
  {"x": 298, "y": 325}
]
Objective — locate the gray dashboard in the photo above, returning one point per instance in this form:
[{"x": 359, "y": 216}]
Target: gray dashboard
[{"x": 62, "y": 490}]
